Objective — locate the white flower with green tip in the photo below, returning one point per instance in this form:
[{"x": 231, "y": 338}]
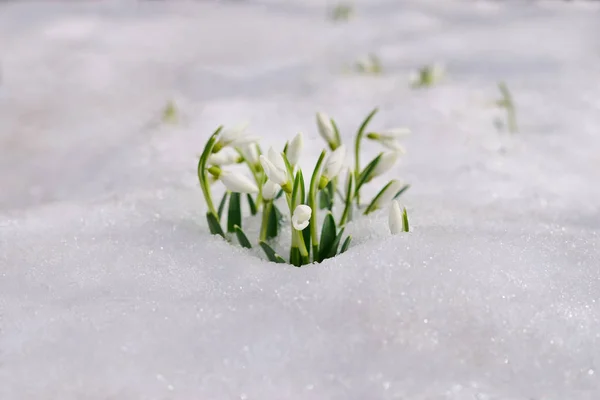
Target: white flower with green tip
[
  {"x": 333, "y": 166},
  {"x": 235, "y": 137},
  {"x": 226, "y": 156},
  {"x": 275, "y": 169},
  {"x": 326, "y": 130},
  {"x": 387, "y": 161}
]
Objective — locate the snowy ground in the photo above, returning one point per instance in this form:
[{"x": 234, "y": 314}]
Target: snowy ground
[{"x": 111, "y": 288}]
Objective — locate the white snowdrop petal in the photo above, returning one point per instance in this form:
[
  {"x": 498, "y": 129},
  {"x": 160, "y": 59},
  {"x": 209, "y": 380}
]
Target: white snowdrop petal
[
  {"x": 386, "y": 162},
  {"x": 250, "y": 153},
  {"x": 274, "y": 174},
  {"x": 325, "y": 127},
  {"x": 237, "y": 182},
  {"x": 334, "y": 163},
  {"x": 270, "y": 190},
  {"x": 389, "y": 193},
  {"x": 301, "y": 217},
  {"x": 395, "y": 218},
  {"x": 226, "y": 156},
  {"x": 295, "y": 149},
  {"x": 229, "y": 135}
]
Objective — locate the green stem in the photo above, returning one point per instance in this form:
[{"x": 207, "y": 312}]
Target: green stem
[
  {"x": 202, "y": 175},
  {"x": 265, "y": 220},
  {"x": 312, "y": 203},
  {"x": 359, "y": 136}
]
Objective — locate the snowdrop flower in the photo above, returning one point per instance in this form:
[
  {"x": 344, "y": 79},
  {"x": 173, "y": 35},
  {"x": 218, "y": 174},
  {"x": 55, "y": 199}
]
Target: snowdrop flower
[
  {"x": 333, "y": 166},
  {"x": 391, "y": 134},
  {"x": 395, "y": 218},
  {"x": 295, "y": 149},
  {"x": 386, "y": 162},
  {"x": 301, "y": 217},
  {"x": 227, "y": 156},
  {"x": 236, "y": 182},
  {"x": 390, "y": 138},
  {"x": 326, "y": 130},
  {"x": 270, "y": 189},
  {"x": 388, "y": 193},
  {"x": 275, "y": 168},
  {"x": 250, "y": 152},
  {"x": 235, "y": 137}
]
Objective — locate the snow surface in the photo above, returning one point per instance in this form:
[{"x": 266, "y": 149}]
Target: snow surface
[{"x": 111, "y": 287}]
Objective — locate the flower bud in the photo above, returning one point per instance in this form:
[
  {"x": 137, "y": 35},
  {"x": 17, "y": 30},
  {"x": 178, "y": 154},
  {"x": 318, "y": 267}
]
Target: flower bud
[
  {"x": 269, "y": 190},
  {"x": 301, "y": 217},
  {"x": 295, "y": 149},
  {"x": 395, "y": 218},
  {"x": 236, "y": 182}
]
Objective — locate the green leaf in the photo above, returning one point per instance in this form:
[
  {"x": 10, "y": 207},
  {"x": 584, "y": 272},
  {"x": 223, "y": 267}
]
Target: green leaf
[
  {"x": 297, "y": 190},
  {"x": 295, "y": 257},
  {"x": 312, "y": 203},
  {"x": 234, "y": 215},
  {"x": 323, "y": 199},
  {"x": 346, "y": 244},
  {"x": 242, "y": 238},
  {"x": 328, "y": 232},
  {"x": 405, "y": 225},
  {"x": 306, "y": 237},
  {"x": 213, "y": 224},
  {"x": 274, "y": 221},
  {"x": 279, "y": 194},
  {"x": 335, "y": 245},
  {"x": 366, "y": 173},
  {"x": 271, "y": 255},
  {"x": 251, "y": 204},
  {"x": 222, "y": 204},
  {"x": 401, "y": 191}
]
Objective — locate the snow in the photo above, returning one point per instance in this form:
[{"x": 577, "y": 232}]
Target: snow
[{"x": 111, "y": 286}]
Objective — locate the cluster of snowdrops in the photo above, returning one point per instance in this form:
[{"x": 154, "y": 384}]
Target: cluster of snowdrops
[{"x": 333, "y": 187}]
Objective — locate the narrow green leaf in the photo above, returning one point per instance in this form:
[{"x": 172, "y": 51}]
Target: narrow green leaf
[
  {"x": 330, "y": 194},
  {"x": 234, "y": 214},
  {"x": 279, "y": 194},
  {"x": 273, "y": 223},
  {"x": 251, "y": 204},
  {"x": 366, "y": 173},
  {"x": 323, "y": 199},
  {"x": 401, "y": 191},
  {"x": 295, "y": 257},
  {"x": 346, "y": 244},
  {"x": 271, "y": 255},
  {"x": 365, "y": 123},
  {"x": 242, "y": 238},
  {"x": 336, "y": 243},
  {"x": 222, "y": 204},
  {"x": 328, "y": 232},
  {"x": 405, "y": 225},
  {"x": 297, "y": 190},
  {"x": 374, "y": 205},
  {"x": 213, "y": 224},
  {"x": 312, "y": 203},
  {"x": 306, "y": 237}
]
